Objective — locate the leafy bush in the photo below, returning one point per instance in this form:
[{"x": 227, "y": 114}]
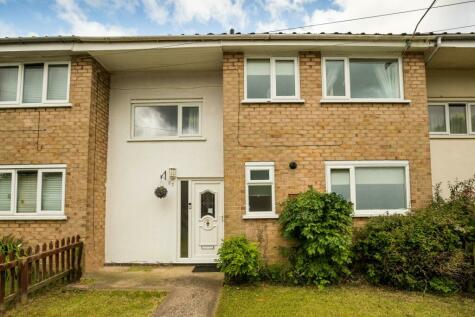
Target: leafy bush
[
  {"x": 319, "y": 225},
  {"x": 239, "y": 260},
  {"x": 429, "y": 249},
  {"x": 10, "y": 244},
  {"x": 275, "y": 273}
]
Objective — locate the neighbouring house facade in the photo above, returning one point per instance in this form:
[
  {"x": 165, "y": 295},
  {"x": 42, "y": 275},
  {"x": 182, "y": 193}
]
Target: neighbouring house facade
[{"x": 230, "y": 125}]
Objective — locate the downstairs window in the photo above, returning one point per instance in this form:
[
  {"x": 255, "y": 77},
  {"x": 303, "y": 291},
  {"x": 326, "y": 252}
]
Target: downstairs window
[{"x": 374, "y": 187}]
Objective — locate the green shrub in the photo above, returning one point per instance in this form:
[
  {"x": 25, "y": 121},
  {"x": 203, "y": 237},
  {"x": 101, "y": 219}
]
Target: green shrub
[
  {"x": 275, "y": 273},
  {"x": 319, "y": 226},
  {"x": 429, "y": 249},
  {"x": 10, "y": 244},
  {"x": 239, "y": 260}
]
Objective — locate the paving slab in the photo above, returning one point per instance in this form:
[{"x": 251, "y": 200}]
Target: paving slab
[{"x": 188, "y": 293}]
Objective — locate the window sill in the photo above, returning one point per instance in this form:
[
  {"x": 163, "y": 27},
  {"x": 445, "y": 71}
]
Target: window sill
[
  {"x": 377, "y": 213},
  {"x": 169, "y": 139},
  {"x": 35, "y": 105},
  {"x": 33, "y": 217},
  {"x": 357, "y": 101},
  {"x": 274, "y": 101},
  {"x": 451, "y": 136},
  {"x": 266, "y": 215}
]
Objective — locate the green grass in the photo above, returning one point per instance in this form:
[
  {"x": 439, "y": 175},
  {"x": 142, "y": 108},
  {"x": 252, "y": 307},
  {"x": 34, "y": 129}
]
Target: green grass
[
  {"x": 91, "y": 303},
  {"x": 341, "y": 301}
]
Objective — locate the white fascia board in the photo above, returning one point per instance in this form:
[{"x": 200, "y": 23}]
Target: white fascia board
[
  {"x": 300, "y": 44},
  {"x": 461, "y": 44}
]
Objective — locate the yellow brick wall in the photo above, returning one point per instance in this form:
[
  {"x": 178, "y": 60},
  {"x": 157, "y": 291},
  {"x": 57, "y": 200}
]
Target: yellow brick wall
[
  {"x": 66, "y": 136},
  {"x": 312, "y": 133}
]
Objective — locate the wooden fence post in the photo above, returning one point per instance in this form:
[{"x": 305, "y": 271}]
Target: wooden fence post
[
  {"x": 81, "y": 244},
  {"x": 73, "y": 260},
  {"x": 2, "y": 286},
  {"x": 23, "y": 290}
]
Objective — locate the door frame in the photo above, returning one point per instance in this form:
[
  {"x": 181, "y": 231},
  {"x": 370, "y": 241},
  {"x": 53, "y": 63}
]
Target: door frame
[{"x": 190, "y": 180}]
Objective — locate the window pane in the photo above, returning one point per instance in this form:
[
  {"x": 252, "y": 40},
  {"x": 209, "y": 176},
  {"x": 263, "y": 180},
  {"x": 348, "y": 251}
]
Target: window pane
[
  {"x": 380, "y": 188},
  {"x": 52, "y": 191},
  {"x": 257, "y": 175},
  {"x": 8, "y": 83},
  {"x": 285, "y": 78},
  {"x": 156, "y": 121},
  {"x": 33, "y": 83},
  {"x": 335, "y": 78},
  {"x": 57, "y": 82},
  {"x": 260, "y": 197},
  {"x": 258, "y": 78},
  {"x": 374, "y": 78},
  {"x": 190, "y": 120},
  {"x": 437, "y": 118},
  {"x": 208, "y": 204},
  {"x": 184, "y": 219},
  {"x": 5, "y": 191},
  {"x": 26, "y": 191},
  {"x": 458, "y": 118},
  {"x": 473, "y": 117},
  {"x": 340, "y": 183}
]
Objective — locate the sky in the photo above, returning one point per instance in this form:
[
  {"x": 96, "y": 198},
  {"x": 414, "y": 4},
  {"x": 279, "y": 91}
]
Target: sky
[{"x": 161, "y": 17}]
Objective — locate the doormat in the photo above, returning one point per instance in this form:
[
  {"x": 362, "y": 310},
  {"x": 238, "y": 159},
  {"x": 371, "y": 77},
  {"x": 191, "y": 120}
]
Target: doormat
[{"x": 199, "y": 268}]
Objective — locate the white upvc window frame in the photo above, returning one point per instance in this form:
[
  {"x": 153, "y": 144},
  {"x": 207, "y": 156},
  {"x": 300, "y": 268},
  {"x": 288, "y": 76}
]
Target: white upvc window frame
[
  {"x": 351, "y": 165},
  {"x": 468, "y": 118},
  {"x": 44, "y": 101},
  {"x": 180, "y": 105},
  {"x": 255, "y": 166},
  {"x": 39, "y": 214},
  {"x": 347, "y": 97},
  {"x": 273, "y": 80}
]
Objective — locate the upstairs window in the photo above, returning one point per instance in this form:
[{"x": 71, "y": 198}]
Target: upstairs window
[
  {"x": 34, "y": 83},
  {"x": 362, "y": 78},
  {"x": 270, "y": 79},
  {"x": 455, "y": 118},
  {"x": 31, "y": 191},
  {"x": 166, "y": 120}
]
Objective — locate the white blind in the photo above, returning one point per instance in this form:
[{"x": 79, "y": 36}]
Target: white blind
[
  {"x": 57, "y": 82},
  {"x": 33, "y": 83},
  {"x": 52, "y": 191},
  {"x": 26, "y": 191},
  {"x": 8, "y": 83},
  {"x": 5, "y": 191}
]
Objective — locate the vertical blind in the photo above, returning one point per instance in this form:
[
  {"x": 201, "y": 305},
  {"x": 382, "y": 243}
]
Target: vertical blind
[
  {"x": 258, "y": 78},
  {"x": 5, "y": 191},
  {"x": 33, "y": 83},
  {"x": 285, "y": 78},
  {"x": 26, "y": 191},
  {"x": 57, "y": 82},
  {"x": 8, "y": 83},
  {"x": 52, "y": 191}
]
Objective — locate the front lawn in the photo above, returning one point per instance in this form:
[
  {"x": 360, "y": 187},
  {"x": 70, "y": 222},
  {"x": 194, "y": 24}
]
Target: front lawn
[
  {"x": 341, "y": 301},
  {"x": 91, "y": 303}
]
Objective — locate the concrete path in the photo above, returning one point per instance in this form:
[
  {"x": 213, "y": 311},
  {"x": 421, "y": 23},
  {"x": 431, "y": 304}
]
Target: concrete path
[{"x": 188, "y": 294}]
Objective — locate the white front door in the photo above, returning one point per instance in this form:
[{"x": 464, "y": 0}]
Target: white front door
[{"x": 206, "y": 219}]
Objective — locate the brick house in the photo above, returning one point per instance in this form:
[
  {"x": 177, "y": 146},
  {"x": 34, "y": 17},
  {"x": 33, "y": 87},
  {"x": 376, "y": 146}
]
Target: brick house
[{"x": 230, "y": 125}]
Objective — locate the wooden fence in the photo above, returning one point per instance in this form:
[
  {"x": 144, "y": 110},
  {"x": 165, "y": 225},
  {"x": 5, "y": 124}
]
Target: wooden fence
[{"x": 39, "y": 267}]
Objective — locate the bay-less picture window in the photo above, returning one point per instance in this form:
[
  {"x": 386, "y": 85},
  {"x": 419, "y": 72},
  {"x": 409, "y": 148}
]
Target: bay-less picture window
[
  {"x": 166, "y": 120},
  {"x": 374, "y": 187},
  {"x": 362, "y": 78},
  {"x": 31, "y": 191},
  {"x": 455, "y": 118},
  {"x": 34, "y": 83},
  {"x": 260, "y": 198},
  {"x": 272, "y": 78}
]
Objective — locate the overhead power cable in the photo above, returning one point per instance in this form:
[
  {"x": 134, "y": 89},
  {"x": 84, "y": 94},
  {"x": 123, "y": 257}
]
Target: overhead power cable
[{"x": 371, "y": 16}]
